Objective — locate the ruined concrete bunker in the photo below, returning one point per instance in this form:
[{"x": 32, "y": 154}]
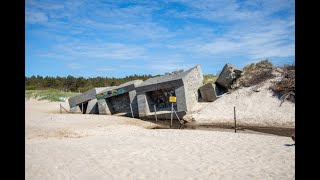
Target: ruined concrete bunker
[
  {"x": 119, "y": 100},
  {"x": 156, "y": 92}
]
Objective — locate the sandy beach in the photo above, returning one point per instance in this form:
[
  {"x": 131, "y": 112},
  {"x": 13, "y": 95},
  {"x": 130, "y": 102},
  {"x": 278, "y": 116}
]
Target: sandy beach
[{"x": 79, "y": 146}]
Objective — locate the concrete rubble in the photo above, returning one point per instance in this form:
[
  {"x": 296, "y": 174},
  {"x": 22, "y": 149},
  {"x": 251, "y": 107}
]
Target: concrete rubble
[
  {"x": 212, "y": 91},
  {"x": 228, "y": 75}
]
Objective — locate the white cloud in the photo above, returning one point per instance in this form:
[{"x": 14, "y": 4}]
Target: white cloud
[
  {"x": 275, "y": 38},
  {"x": 106, "y": 51},
  {"x": 74, "y": 65},
  {"x": 105, "y": 69},
  {"x": 231, "y": 10},
  {"x": 36, "y": 18},
  {"x": 147, "y": 34}
]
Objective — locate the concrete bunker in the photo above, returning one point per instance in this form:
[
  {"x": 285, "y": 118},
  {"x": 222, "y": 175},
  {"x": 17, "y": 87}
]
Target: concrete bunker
[
  {"x": 156, "y": 91},
  {"x": 117, "y": 100}
]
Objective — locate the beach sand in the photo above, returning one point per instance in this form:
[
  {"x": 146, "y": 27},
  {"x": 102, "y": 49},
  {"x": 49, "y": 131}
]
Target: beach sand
[{"x": 80, "y": 146}]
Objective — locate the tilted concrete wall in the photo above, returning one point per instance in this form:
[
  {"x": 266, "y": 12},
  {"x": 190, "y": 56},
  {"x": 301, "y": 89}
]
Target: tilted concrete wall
[
  {"x": 134, "y": 103},
  {"x": 103, "y": 107},
  {"x": 143, "y": 107},
  {"x": 85, "y": 97},
  {"x": 181, "y": 99},
  {"x": 210, "y": 92},
  {"x": 91, "y": 108},
  {"x": 192, "y": 82}
]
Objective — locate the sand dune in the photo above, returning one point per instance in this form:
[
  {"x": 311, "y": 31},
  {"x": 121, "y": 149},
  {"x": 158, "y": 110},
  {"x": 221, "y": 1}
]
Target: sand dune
[
  {"x": 253, "y": 108},
  {"x": 76, "y": 146}
]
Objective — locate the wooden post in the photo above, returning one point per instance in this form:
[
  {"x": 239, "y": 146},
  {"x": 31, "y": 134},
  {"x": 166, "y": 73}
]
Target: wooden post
[
  {"x": 235, "y": 120},
  {"x": 63, "y": 108},
  {"x": 171, "y": 114},
  {"x": 155, "y": 112},
  {"x": 60, "y": 109},
  {"x": 131, "y": 111}
]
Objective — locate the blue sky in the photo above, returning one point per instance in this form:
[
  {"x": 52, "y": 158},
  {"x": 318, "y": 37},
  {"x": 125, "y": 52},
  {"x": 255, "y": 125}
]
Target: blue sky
[{"x": 116, "y": 38}]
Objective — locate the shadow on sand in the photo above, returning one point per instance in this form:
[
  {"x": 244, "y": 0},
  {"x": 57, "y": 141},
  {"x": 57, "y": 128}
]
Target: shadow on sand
[{"x": 290, "y": 144}]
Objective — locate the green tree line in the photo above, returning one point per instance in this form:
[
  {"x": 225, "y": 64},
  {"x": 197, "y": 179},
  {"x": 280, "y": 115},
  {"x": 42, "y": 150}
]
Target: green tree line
[{"x": 76, "y": 84}]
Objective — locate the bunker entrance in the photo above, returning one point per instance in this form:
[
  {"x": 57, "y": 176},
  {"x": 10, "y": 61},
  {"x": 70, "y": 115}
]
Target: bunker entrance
[
  {"x": 84, "y": 105},
  {"x": 160, "y": 98},
  {"x": 119, "y": 104}
]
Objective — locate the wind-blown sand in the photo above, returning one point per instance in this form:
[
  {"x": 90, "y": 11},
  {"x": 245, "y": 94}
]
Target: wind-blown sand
[
  {"x": 77, "y": 146},
  {"x": 255, "y": 106}
]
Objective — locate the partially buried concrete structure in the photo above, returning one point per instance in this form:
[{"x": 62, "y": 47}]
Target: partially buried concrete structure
[
  {"x": 86, "y": 101},
  {"x": 156, "y": 92},
  {"x": 210, "y": 92},
  {"x": 117, "y": 100},
  {"x": 228, "y": 75}
]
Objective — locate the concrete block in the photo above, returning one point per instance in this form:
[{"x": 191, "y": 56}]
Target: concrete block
[
  {"x": 227, "y": 76},
  {"x": 210, "y": 92}
]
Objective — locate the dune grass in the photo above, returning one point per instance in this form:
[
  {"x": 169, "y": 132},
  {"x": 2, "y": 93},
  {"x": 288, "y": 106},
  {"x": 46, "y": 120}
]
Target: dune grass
[
  {"x": 209, "y": 78},
  {"x": 50, "y": 94}
]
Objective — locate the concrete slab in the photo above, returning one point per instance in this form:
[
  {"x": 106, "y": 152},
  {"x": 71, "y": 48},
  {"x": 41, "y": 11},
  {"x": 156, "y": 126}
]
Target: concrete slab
[
  {"x": 210, "y": 92},
  {"x": 85, "y": 97},
  {"x": 228, "y": 74}
]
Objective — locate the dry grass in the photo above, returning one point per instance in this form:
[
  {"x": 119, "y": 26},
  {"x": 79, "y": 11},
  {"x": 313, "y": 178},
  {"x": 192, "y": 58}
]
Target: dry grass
[
  {"x": 209, "y": 78},
  {"x": 254, "y": 74},
  {"x": 286, "y": 86}
]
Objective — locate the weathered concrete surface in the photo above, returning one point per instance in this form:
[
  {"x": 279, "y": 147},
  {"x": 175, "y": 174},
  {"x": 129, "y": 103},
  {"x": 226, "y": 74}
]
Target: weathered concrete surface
[
  {"x": 103, "y": 107},
  {"x": 134, "y": 103},
  {"x": 75, "y": 109},
  {"x": 92, "y": 107},
  {"x": 184, "y": 84},
  {"x": 228, "y": 74},
  {"x": 210, "y": 92},
  {"x": 192, "y": 82},
  {"x": 85, "y": 97}
]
